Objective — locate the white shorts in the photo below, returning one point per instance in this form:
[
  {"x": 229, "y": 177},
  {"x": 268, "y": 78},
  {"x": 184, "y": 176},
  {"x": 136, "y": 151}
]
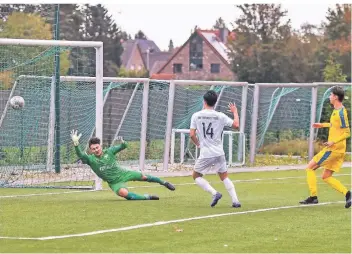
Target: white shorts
[{"x": 217, "y": 164}]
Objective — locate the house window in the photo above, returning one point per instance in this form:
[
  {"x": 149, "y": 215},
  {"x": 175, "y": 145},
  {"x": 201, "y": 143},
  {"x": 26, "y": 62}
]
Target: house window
[
  {"x": 139, "y": 67},
  {"x": 132, "y": 67},
  {"x": 177, "y": 68},
  {"x": 196, "y": 53},
  {"x": 215, "y": 68}
]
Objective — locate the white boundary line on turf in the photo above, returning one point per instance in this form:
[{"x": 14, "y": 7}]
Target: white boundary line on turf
[
  {"x": 159, "y": 223},
  {"x": 44, "y": 194},
  {"x": 154, "y": 186}
]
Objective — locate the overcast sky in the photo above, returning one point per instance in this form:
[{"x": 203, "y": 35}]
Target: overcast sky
[{"x": 164, "y": 22}]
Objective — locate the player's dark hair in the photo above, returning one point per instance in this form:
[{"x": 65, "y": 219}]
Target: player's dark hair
[
  {"x": 94, "y": 141},
  {"x": 339, "y": 92},
  {"x": 210, "y": 98}
]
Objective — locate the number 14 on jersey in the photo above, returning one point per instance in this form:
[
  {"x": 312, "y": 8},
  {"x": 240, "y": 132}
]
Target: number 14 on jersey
[{"x": 209, "y": 130}]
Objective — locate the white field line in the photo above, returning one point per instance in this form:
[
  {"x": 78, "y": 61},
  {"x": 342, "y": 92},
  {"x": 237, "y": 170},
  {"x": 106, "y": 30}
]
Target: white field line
[
  {"x": 159, "y": 223},
  {"x": 43, "y": 194},
  {"x": 179, "y": 184}
]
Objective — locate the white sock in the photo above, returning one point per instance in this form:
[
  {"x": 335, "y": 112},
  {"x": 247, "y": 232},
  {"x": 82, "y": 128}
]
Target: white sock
[
  {"x": 231, "y": 190},
  {"x": 205, "y": 185}
]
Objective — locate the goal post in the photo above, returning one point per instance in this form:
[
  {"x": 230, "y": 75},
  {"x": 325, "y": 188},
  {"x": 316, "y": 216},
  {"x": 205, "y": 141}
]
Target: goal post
[
  {"x": 123, "y": 114},
  {"x": 186, "y": 98},
  {"x": 234, "y": 138},
  {"x": 35, "y": 123},
  {"x": 283, "y": 114}
]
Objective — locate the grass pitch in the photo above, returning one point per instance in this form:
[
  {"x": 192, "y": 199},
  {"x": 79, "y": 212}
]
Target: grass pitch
[{"x": 288, "y": 228}]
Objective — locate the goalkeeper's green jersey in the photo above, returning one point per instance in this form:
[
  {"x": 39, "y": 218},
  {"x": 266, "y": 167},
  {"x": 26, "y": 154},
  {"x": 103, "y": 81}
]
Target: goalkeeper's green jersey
[{"x": 105, "y": 166}]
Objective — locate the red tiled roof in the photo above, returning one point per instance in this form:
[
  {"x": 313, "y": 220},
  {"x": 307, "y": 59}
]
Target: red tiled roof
[{"x": 212, "y": 46}]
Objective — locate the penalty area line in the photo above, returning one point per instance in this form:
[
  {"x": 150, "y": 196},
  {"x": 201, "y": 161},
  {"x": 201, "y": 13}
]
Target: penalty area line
[{"x": 159, "y": 223}]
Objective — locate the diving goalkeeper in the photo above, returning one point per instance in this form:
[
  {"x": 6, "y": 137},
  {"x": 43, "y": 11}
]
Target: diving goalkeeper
[{"x": 105, "y": 166}]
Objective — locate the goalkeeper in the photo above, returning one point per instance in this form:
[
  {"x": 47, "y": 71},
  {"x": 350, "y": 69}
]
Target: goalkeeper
[{"x": 105, "y": 166}]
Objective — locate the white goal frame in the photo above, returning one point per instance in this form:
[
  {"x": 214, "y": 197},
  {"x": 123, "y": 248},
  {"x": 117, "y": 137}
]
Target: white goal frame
[
  {"x": 98, "y": 46},
  {"x": 138, "y": 81},
  {"x": 183, "y": 132},
  {"x": 172, "y": 88}
]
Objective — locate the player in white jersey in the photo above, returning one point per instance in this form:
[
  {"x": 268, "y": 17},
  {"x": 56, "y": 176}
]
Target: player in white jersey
[{"x": 209, "y": 125}]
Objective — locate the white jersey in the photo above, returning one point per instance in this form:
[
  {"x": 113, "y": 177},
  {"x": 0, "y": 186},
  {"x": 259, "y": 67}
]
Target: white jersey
[{"x": 210, "y": 125}]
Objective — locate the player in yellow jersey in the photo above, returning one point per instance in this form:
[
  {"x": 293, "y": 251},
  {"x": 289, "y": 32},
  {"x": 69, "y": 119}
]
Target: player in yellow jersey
[{"x": 332, "y": 155}]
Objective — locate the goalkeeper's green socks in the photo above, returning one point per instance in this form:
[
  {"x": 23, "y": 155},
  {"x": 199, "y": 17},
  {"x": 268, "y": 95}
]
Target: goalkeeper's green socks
[
  {"x": 154, "y": 179},
  {"x": 134, "y": 196}
]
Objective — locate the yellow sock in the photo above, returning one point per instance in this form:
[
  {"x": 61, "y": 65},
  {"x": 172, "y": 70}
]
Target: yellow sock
[
  {"x": 312, "y": 182},
  {"x": 336, "y": 184}
]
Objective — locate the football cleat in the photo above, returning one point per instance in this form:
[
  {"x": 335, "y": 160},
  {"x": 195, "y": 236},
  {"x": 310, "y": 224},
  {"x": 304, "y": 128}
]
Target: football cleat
[
  {"x": 310, "y": 200},
  {"x": 216, "y": 199},
  {"x": 348, "y": 199},
  {"x": 169, "y": 186}
]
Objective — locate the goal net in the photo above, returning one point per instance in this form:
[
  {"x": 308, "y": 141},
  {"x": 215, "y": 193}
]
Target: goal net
[
  {"x": 188, "y": 99},
  {"x": 35, "y": 145},
  {"x": 137, "y": 111},
  {"x": 284, "y": 118},
  {"x": 146, "y": 129}
]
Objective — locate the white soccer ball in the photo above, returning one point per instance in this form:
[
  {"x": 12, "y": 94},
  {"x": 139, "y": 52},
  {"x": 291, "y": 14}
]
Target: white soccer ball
[{"x": 17, "y": 102}]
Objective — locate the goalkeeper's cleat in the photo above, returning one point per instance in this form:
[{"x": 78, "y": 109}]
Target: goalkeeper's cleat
[
  {"x": 151, "y": 197},
  {"x": 236, "y": 205},
  {"x": 310, "y": 200},
  {"x": 348, "y": 199},
  {"x": 216, "y": 199},
  {"x": 169, "y": 186}
]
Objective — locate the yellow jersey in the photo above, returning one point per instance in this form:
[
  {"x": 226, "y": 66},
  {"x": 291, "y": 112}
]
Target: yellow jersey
[{"x": 339, "y": 130}]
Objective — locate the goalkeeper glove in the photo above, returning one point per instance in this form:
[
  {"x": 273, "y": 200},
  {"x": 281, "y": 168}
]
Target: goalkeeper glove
[
  {"x": 75, "y": 138},
  {"x": 120, "y": 138}
]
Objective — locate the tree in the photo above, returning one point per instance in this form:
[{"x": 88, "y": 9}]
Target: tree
[
  {"x": 125, "y": 36},
  {"x": 123, "y": 72},
  {"x": 79, "y": 22},
  {"x": 338, "y": 35},
  {"x": 140, "y": 35},
  {"x": 339, "y": 22},
  {"x": 171, "y": 46},
  {"x": 267, "y": 49},
  {"x": 7, "y": 9},
  {"x": 219, "y": 23},
  {"x": 305, "y": 54},
  {"x": 71, "y": 20},
  {"x": 261, "y": 36},
  {"x": 333, "y": 71},
  {"x": 99, "y": 26},
  {"x": 21, "y": 25}
]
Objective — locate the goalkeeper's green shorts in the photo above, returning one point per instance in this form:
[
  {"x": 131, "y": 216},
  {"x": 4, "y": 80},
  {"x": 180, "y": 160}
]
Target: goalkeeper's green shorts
[{"x": 126, "y": 177}]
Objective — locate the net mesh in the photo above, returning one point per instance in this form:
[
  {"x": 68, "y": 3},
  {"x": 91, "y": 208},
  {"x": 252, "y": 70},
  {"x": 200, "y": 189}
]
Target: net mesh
[
  {"x": 28, "y": 135},
  {"x": 29, "y": 143},
  {"x": 284, "y": 119},
  {"x": 189, "y": 100},
  {"x": 123, "y": 118},
  {"x": 324, "y": 111}
]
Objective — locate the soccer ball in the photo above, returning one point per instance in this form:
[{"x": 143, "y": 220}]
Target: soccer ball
[{"x": 17, "y": 102}]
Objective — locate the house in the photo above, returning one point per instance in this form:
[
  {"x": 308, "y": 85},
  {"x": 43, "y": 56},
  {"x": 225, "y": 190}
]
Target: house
[
  {"x": 143, "y": 54},
  {"x": 204, "y": 56}
]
